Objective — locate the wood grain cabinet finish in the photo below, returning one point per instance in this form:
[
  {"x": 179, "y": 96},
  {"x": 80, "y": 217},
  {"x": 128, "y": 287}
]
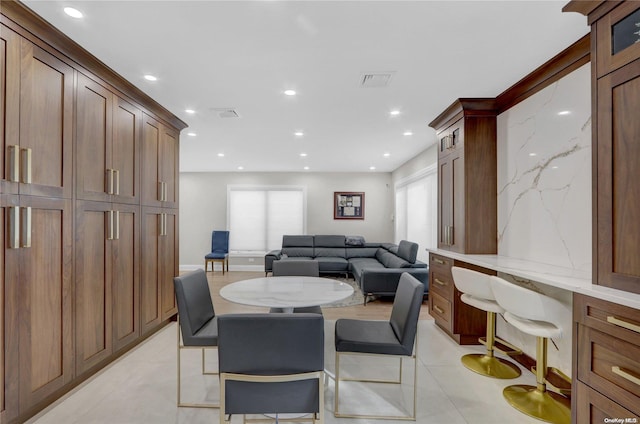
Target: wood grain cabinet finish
[
  {"x": 467, "y": 176},
  {"x": 463, "y": 323},
  {"x": 38, "y": 117},
  {"x": 606, "y": 359},
  {"x": 107, "y": 280},
  {"x": 107, "y": 145},
  {"x": 159, "y": 164}
]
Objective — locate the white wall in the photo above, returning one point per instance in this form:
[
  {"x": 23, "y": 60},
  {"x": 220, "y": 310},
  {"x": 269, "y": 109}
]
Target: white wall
[
  {"x": 422, "y": 160},
  {"x": 203, "y": 207}
]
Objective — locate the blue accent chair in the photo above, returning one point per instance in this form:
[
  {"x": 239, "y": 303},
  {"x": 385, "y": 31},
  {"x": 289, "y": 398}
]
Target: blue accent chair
[{"x": 219, "y": 251}]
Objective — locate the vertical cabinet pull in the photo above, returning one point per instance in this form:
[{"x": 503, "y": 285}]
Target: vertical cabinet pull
[
  {"x": 25, "y": 236},
  {"x": 109, "y": 181},
  {"x": 14, "y": 163},
  {"x": 160, "y": 191},
  {"x": 109, "y": 225},
  {"x": 116, "y": 231},
  {"x": 25, "y": 165},
  {"x": 116, "y": 186},
  {"x": 14, "y": 224},
  {"x": 166, "y": 197}
]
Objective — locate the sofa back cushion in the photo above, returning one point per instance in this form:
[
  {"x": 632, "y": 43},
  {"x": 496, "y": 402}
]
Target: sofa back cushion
[
  {"x": 408, "y": 251},
  {"x": 329, "y": 246},
  {"x": 389, "y": 260},
  {"x": 362, "y": 252},
  {"x": 297, "y": 246}
]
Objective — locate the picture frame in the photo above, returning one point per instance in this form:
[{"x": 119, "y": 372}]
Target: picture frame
[{"x": 348, "y": 205}]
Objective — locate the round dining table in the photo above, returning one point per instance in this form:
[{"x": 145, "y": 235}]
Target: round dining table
[{"x": 287, "y": 292}]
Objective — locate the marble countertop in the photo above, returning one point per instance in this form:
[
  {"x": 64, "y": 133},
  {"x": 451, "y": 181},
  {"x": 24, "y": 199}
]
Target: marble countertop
[{"x": 563, "y": 278}]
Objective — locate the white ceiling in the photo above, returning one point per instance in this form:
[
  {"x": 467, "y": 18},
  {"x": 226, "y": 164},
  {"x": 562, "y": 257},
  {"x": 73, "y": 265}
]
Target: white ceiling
[{"x": 244, "y": 54}]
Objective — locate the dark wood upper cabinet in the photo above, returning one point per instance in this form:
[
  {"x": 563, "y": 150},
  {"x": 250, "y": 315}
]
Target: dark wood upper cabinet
[
  {"x": 160, "y": 145},
  {"x": 467, "y": 176}
]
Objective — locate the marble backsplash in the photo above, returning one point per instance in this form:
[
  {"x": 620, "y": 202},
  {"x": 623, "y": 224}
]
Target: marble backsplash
[{"x": 544, "y": 175}]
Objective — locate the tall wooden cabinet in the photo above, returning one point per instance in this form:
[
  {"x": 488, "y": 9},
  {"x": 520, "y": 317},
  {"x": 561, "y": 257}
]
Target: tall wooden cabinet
[
  {"x": 71, "y": 202},
  {"x": 467, "y": 176}
]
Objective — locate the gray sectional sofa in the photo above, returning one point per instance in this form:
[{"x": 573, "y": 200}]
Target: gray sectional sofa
[{"x": 376, "y": 267}]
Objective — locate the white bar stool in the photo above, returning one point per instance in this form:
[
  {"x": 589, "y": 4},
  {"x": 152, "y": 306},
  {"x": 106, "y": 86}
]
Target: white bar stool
[
  {"x": 539, "y": 315},
  {"x": 476, "y": 289}
]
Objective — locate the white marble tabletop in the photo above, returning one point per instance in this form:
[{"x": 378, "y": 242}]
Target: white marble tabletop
[
  {"x": 556, "y": 276},
  {"x": 286, "y": 292}
]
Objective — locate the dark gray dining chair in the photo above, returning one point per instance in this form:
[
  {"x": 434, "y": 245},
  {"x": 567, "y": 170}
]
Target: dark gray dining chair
[
  {"x": 302, "y": 267},
  {"x": 396, "y": 337},
  {"x": 197, "y": 322},
  {"x": 271, "y": 364}
]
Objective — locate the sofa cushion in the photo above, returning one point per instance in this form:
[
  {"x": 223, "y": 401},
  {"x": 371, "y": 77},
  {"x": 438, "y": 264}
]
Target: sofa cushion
[
  {"x": 297, "y": 241},
  {"x": 332, "y": 264},
  {"x": 354, "y": 240},
  {"x": 357, "y": 265},
  {"x": 389, "y": 260},
  {"x": 408, "y": 251},
  {"x": 320, "y": 252},
  {"x": 361, "y": 252},
  {"x": 329, "y": 241}
]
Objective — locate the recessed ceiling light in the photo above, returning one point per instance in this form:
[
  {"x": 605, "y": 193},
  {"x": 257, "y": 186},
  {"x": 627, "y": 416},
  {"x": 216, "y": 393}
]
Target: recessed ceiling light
[
  {"x": 533, "y": 154},
  {"x": 220, "y": 155},
  {"x": 191, "y": 111},
  {"x": 192, "y": 134},
  {"x": 407, "y": 133},
  {"x": 386, "y": 155},
  {"x": 306, "y": 168},
  {"x": 298, "y": 133},
  {"x": 394, "y": 112},
  {"x": 372, "y": 168},
  {"x": 149, "y": 77},
  {"x": 74, "y": 13},
  {"x": 564, "y": 112},
  {"x": 303, "y": 154},
  {"x": 554, "y": 167},
  {"x": 290, "y": 92},
  {"x": 241, "y": 168}
]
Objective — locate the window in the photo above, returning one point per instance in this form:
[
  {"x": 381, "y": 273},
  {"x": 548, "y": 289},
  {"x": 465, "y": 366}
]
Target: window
[
  {"x": 416, "y": 208},
  {"x": 258, "y": 217}
]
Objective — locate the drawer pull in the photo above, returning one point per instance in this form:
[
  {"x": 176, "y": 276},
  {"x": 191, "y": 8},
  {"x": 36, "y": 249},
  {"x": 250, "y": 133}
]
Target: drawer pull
[
  {"x": 438, "y": 309},
  {"x": 440, "y": 283},
  {"x": 626, "y": 375},
  {"x": 624, "y": 324},
  {"x": 439, "y": 261}
]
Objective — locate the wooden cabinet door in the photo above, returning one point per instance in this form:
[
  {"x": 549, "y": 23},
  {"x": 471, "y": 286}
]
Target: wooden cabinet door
[
  {"x": 168, "y": 262},
  {"x": 458, "y": 196},
  {"x": 46, "y": 123},
  {"x": 3, "y": 346},
  {"x": 126, "y": 152},
  {"x": 445, "y": 202},
  {"x": 618, "y": 169},
  {"x": 150, "y": 150},
  {"x": 39, "y": 303},
  {"x": 169, "y": 153},
  {"x": 93, "y": 292},
  {"x": 150, "y": 315},
  {"x": 125, "y": 254},
  {"x": 9, "y": 108},
  {"x": 93, "y": 140}
]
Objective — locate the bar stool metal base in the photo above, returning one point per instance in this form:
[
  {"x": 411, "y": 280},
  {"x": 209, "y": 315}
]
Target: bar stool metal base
[
  {"x": 490, "y": 366},
  {"x": 543, "y": 405}
]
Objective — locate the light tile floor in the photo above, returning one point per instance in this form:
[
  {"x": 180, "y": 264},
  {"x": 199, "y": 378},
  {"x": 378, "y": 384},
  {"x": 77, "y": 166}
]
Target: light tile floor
[{"x": 140, "y": 387}]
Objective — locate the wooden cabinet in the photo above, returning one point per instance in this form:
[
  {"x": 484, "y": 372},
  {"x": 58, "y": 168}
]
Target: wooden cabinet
[
  {"x": 38, "y": 300},
  {"x": 616, "y": 147},
  {"x": 606, "y": 360},
  {"x": 463, "y": 323},
  {"x": 107, "y": 280},
  {"x": 107, "y": 145},
  {"x": 159, "y": 164},
  {"x": 159, "y": 266},
  {"x": 467, "y": 176},
  {"x": 38, "y": 114}
]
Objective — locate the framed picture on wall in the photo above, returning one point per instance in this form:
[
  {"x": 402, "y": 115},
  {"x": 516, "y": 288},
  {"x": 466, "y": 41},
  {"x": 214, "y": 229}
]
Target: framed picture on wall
[{"x": 348, "y": 205}]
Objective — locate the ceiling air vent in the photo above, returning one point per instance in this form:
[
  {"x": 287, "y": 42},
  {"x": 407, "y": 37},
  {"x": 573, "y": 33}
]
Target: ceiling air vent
[
  {"x": 226, "y": 112},
  {"x": 375, "y": 79}
]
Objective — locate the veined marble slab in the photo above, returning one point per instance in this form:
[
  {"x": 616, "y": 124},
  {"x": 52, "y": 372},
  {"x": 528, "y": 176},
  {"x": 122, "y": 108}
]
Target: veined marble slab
[{"x": 544, "y": 175}]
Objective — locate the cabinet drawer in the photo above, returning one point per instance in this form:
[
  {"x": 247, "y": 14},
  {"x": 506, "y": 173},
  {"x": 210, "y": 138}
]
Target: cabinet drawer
[
  {"x": 594, "y": 408},
  {"x": 610, "y": 365},
  {"x": 440, "y": 263},
  {"x": 440, "y": 310},
  {"x": 441, "y": 283},
  {"x": 610, "y": 318}
]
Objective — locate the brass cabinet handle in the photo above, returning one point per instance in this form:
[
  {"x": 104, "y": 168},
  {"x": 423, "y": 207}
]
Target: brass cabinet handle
[
  {"x": 439, "y": 261},
  {"x": 160, "y": 191},
  {"x": 109, "y": 225},
  {"x": 25, "y": 236},
  {"x": 26, "y": 165},
  {"x": 117, "y": 226},
  {"x": 623, "y": 324},
  {"x": 626, "y": 374},
  {"x": 117, "y": 183},
  {"x": 14, "y": 163},
  {"x": 14, "y": 224},
  {"x": 163, "y": 224},
  {"x": 441, "y": 283},
  {"x": 109, "y": 180},
  {"x": 165, "y": 197},
  {"x": 438, "y": 309}
]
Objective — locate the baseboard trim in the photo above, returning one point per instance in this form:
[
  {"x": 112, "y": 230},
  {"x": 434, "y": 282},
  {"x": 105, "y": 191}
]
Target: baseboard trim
[{"x": 255, "y": 268}]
